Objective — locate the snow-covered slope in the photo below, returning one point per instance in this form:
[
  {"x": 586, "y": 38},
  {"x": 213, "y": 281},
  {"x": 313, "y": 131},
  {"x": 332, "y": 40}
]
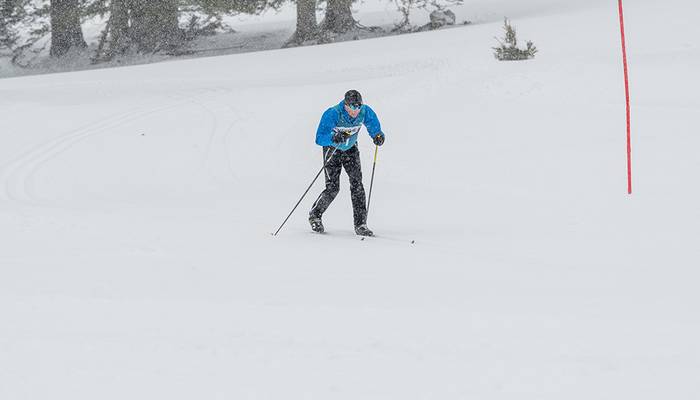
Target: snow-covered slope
[{"x": 137, "y": 203}]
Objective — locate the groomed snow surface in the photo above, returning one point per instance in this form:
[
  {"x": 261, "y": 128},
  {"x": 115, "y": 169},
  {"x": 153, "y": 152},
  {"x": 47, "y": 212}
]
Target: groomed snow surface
[{"x": 137, "y": 203}]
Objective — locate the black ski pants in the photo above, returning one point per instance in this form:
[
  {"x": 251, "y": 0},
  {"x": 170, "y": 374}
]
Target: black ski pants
[{"x": 350, "y": 160}]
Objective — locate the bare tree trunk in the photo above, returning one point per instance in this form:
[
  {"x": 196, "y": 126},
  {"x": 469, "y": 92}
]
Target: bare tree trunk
[
  {"x": 307, "y": 28},
  {"x": 154, "y": 24},
  {"x": 119, "y": 27},
  {"x": 339, "y": 16},
  {"x": 66, "y": 31},
  {"x": 144, "y": 25}
]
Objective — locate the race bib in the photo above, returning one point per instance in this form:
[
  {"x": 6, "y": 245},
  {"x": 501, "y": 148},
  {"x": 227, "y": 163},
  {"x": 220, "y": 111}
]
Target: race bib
[{"x": 347, "y": 131}]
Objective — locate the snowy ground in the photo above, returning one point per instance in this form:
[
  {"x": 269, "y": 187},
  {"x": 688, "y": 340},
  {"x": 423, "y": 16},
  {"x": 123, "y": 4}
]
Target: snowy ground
[{"x": 136, "y": 206}]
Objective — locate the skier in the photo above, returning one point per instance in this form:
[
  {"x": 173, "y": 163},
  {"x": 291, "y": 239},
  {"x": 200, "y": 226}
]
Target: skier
[{"x": 338, "y": 131}]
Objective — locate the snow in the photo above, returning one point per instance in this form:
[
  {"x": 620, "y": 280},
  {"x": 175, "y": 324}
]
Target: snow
[{"x": 136, "y": 206}]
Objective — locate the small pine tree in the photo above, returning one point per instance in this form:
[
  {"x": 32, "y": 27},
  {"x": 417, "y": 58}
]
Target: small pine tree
[{"x": 508, "y": 49}]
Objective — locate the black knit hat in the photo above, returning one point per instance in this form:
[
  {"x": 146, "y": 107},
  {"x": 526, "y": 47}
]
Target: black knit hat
[{"x": 353, "y": 97}]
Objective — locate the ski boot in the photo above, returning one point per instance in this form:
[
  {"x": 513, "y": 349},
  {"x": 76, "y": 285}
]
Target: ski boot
[
  {"x": 316, "y": 224},
  {"x": 363, "y": 230}
]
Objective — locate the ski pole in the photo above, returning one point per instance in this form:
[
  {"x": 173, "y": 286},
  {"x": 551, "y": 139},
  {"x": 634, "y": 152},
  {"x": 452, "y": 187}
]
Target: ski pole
[
  {"x": 325, "y": 162},
  {"x": 374, "y": 165}
]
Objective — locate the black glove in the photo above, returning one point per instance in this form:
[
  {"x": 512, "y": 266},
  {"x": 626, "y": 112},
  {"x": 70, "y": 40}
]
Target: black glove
[
  {"x": 338, "y": 137},
  {"x": 379, "y": 139}
]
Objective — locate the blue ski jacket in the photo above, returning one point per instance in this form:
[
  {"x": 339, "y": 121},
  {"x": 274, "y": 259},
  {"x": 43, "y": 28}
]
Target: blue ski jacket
[{"x": 337, "y": 117}]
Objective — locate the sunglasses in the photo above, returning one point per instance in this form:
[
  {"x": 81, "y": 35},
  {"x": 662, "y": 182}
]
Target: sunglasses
[{"x": 355, "y": 106}]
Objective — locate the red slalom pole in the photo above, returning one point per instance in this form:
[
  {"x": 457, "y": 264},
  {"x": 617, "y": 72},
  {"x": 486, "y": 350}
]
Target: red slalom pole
[{"x": 627, "y": 100}]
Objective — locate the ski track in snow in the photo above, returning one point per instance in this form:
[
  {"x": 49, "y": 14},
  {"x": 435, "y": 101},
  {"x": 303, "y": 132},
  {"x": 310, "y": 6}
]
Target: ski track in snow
[
  {"x": 16, "y": 176},
  {"x": 218, "y": 140}
]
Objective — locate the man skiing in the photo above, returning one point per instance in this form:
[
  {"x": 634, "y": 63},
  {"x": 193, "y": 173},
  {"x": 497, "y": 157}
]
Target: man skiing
[{"x": 337, "y": 133}]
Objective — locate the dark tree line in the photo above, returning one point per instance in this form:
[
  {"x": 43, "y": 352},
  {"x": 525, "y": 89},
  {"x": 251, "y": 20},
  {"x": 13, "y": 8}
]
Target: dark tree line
[
  {"x": 143, "y": 25},
  {"x": 148, "y": 26}
]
